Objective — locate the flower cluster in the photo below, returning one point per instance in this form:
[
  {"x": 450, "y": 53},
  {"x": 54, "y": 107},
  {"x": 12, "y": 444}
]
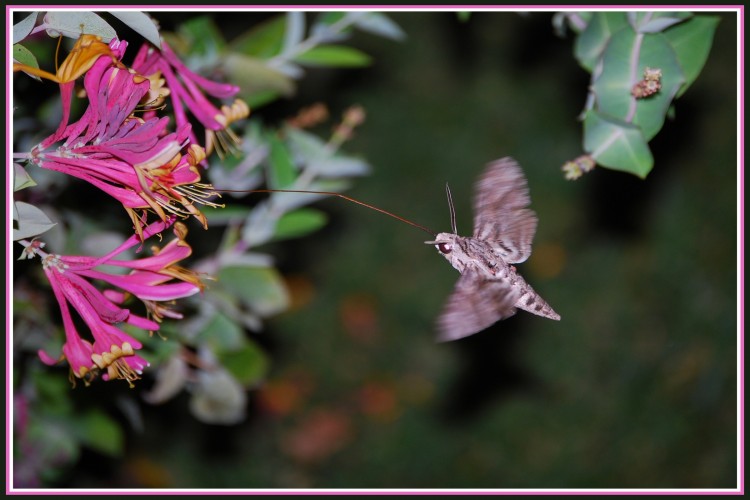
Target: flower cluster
[
  {"x": 123, "y": 145},
  {"x": 153, "y": 280}
]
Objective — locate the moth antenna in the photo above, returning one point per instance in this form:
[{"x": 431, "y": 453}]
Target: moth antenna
[
  {"x": 338, "y": 195},
  {"x": 452, "y": 209}
]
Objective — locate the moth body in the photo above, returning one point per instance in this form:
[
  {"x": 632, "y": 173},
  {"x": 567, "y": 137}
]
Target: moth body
[{"x": 490, "y": 288}]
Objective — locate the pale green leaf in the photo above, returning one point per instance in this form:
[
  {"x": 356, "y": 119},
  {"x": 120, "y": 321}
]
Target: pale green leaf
[
  {"x": 22, "y": 28},
  {"x": 382, "y": 25},
  {"x": 692, "y": 42},
  {"x": 255, "y": 78},
  {"x": 594, "y": 39},
  {"x": 21, "y": 178},
  {"x": 221, "y": 333},
  {"x": 295, "y": 30},
  {"x": 624, "y": 62},
  {"x": 260, "y": 289},
  {"x": 617, "y": 145},
  {"x": 73, "y": 24},
  {"x": 339, "y": 166},
  {"x": 654, "y": 22},
  {"x": 141, "y": 23},
  {"x": 612, "y": 87},
  {"x": 304, "y": 145},
  {"x": 218, "y": 398},
  {"x": 652, "y": 111},
  {"x": 30, "y": 221}
]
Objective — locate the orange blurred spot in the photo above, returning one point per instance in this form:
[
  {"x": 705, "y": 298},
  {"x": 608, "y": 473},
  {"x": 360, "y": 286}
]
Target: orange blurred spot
[
  {"x": 301, "y": 291},
  {"x": 279, "y": 397},
  {"x": 378, "y": 400},
  {"x": 548, "y": 260},
  {"x": 320, "y": 435},
  {"x": 148, "y": 474},
  {"x": 286, "y": 394},
  {"x": 359, "y": 317}
]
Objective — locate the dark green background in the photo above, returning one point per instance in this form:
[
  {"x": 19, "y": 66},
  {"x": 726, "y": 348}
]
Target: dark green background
[{"x": 634, "y": 388}]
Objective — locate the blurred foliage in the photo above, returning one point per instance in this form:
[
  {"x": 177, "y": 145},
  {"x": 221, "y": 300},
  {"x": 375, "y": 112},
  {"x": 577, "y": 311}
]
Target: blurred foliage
[
  {"x": 635, "y": 388},
  {"x": 210, "y": 355}
]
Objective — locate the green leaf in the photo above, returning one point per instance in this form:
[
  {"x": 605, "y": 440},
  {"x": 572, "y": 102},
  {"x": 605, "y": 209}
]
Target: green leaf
[
  {"x": 382, "y": 25},
  {"x": 655, "y": 22},
  {"x": 202, "y": 37},
  {"x": 652, "y": 111},
  {"x": 221, "y": 333},
  {"x": 141, "y": 23},
  {"x": 22, "y": 28},
  {"x": 612, "y": 87},
  {"x": 339, "y": 166},
  {"x": 299, "y": 223},
  {"x": 74, "y": 24},
  {"x": 249, "y": 364},
  {"x": 52, "y": 392},
  {"x": 263, "y": 41},
  {"x": 260, "y": 98},
  {"x": 692, "y": 42},
  {"x": 617, "y": 145},
  {"x": 21, "y": 178},
  {"x": 594, "y": 39},
  {"x": 99, "y": 432},
  {"x": 261, "y": 289},
  {"x": 577, "y": 22},
  {"x": 282, "y": 172},
  {"x": 231, "y": 213},
  {"x": 295, "y": 30},
  {"x": 624, "y": 61},
  {"x": 31, "y": 221},
  {"x": 24, "y": 56},
  {"x": 333, "y": 55},
  {"x": 305, "y": 145},
  {"x": 329, "y": 18},
  {"x": 255, "y": 78}
]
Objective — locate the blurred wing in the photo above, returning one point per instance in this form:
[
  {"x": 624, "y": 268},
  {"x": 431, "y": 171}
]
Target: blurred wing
[
  {"x": 500, "y": 214},
  {"x": 474, "y": 305}
]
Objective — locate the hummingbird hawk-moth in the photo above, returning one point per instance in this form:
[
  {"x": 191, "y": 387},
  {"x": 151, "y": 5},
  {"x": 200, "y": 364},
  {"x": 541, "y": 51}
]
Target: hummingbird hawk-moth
[{"x": 490, "y": 288}]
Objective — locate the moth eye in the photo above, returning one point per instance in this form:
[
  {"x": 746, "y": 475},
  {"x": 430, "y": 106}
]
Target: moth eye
[{"x": 445, "y": 247}]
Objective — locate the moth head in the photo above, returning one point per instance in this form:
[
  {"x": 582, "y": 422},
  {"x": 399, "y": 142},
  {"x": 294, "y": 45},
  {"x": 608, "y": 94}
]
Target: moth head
[{"x": 445, "y": 243}]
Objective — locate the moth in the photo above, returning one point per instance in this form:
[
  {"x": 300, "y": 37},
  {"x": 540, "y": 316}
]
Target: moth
[{"x": 490, "y": 288}]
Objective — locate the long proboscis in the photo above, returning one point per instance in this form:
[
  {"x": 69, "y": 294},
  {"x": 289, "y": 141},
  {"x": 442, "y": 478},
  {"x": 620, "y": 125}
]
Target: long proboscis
[{"x": 332, "y": 193}]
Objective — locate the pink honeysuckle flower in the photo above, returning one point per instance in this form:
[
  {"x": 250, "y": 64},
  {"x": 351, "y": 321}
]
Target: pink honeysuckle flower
[
  {"x": 87, "y": 51},
  {"x": 154, "y": 280},
  {"x": 135, "y": 160},
  {"x": 187, "y": 93}
]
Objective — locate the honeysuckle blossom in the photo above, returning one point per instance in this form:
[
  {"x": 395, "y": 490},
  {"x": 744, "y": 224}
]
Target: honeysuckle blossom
[
  {"x": 135, "y": 160},
  {"x": 87, "y": 50},
  {"x": 153, "y": 280},
  {"x": 187, "y": 93}
]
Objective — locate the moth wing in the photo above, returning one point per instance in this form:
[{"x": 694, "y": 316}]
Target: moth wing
[
  {"x": 501, "y": 216},
  {"x": 474, "y": 305}
]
